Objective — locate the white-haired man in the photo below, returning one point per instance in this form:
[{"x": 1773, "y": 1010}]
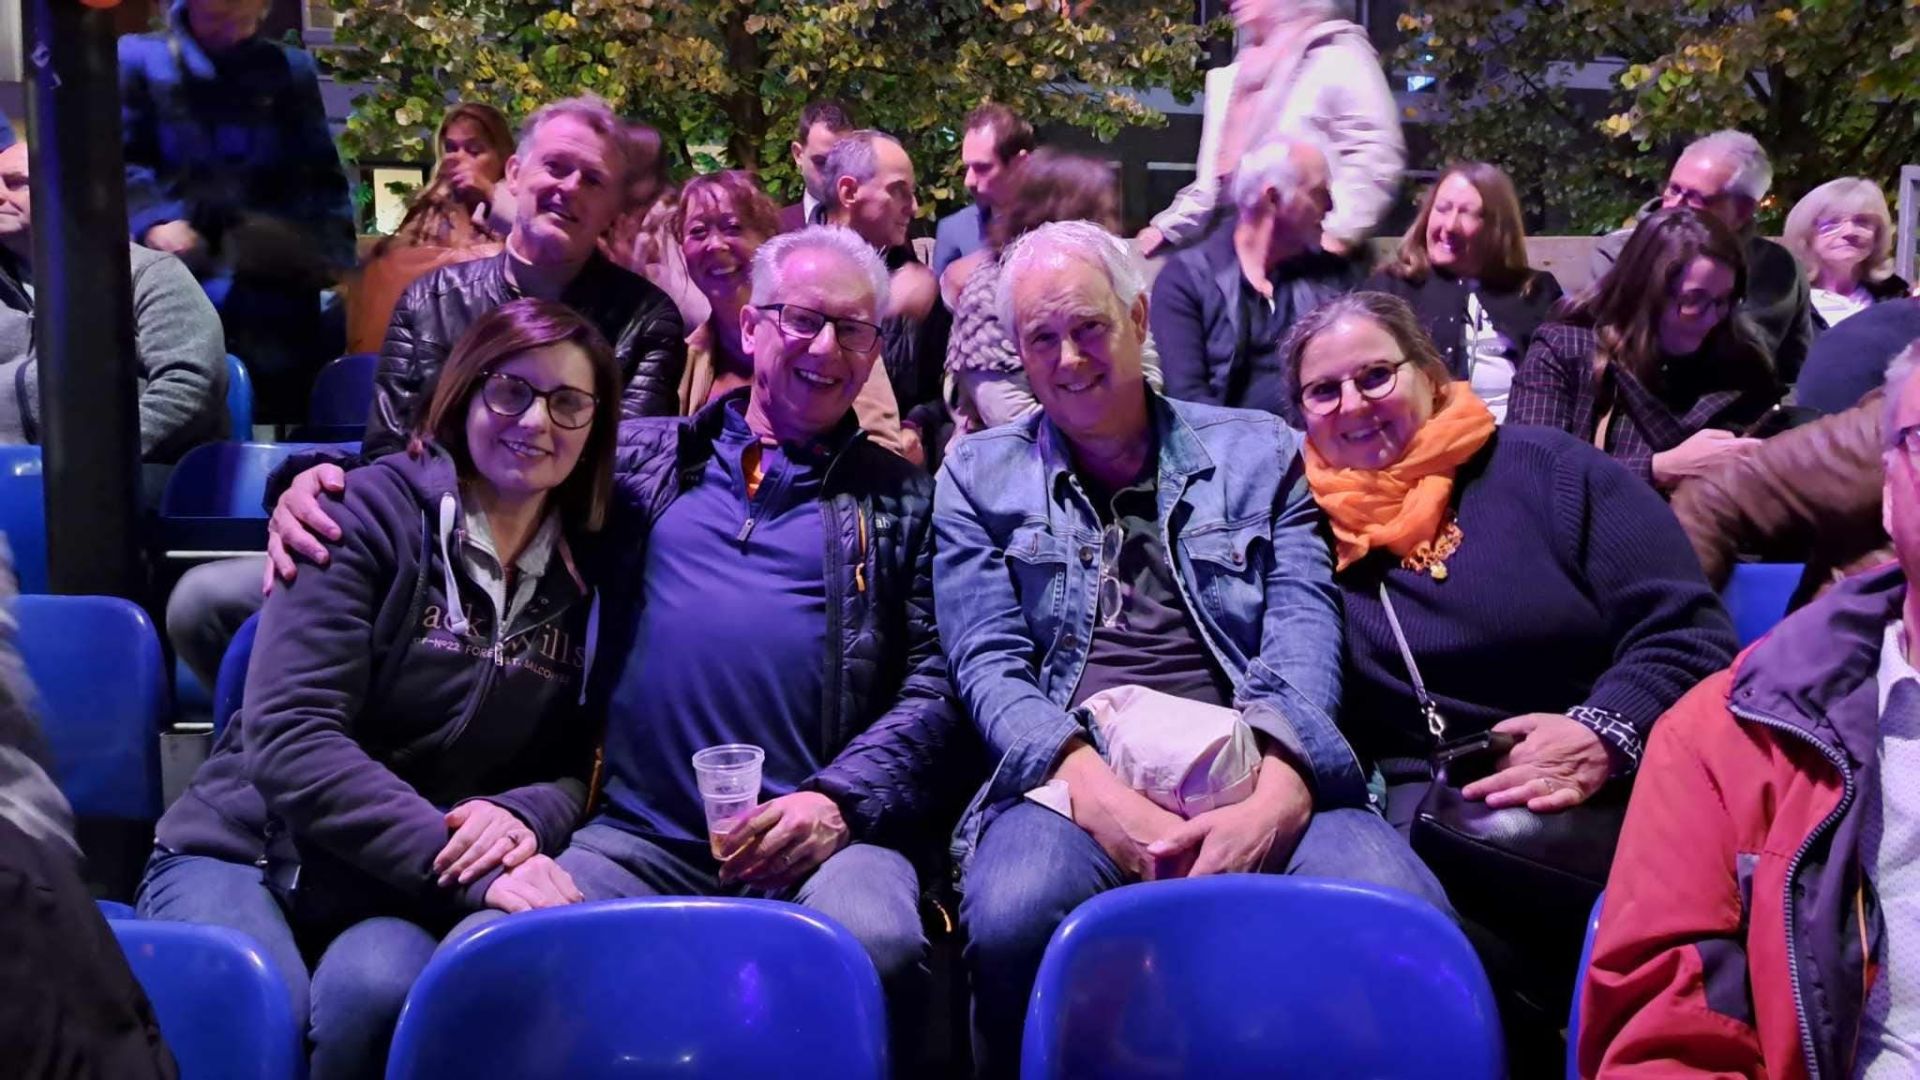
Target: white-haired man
[
  {"x": 1727, "y": 174},
  {"x": 1119, "y": 539},
  {"x": 724, "y": 623},
  {"x": 1221, "y": 307}
]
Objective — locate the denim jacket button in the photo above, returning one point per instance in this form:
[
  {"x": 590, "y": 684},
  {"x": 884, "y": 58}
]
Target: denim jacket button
[
  {"x": 1070, "y": 639},
  {"x": 1239, "y": 557},
  {"x": 1086, "y": 555}
]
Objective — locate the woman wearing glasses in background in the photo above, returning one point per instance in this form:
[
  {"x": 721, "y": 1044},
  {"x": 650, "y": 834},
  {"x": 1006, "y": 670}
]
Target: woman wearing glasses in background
[
  {"x": 1649, "y": 364},
  {"x": 1507, "y": 580},
  {"x": 1843, "y": 234},
  {"x": 411, "y": 746}
]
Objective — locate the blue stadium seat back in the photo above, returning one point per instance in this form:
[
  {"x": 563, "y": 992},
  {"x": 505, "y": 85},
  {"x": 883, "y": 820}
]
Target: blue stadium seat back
[
  {"x": 1260, "y": 975},
  {"x": 1580, "y": 989},
  {"x": 224, "y": 1008},
  {"x": 23, "y": 515},
  {"x": 1757, "y": 595},
  {"x": 114, "y": 909},
  {"x": 343, "y": 392},
  {"x": 652, "y": 987},
  {"x": 239, "y": 400},
  {"x": 95, "y": 662},
  {"x": 213, "y": 500},
  {"x": 231, "y": 683}
]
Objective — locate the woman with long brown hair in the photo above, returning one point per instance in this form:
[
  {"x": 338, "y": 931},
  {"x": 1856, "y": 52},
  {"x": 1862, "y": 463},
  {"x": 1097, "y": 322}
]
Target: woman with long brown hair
[
  {"x": 1462, "y": 266},
  {"x": 412, "y": 744},
  {"x": 446, "y": 220},
  {"x": 1651, "y": 364}
]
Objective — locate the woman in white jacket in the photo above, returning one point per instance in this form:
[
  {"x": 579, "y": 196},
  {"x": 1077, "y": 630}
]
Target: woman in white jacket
[{"x": 1302, "y": 71}]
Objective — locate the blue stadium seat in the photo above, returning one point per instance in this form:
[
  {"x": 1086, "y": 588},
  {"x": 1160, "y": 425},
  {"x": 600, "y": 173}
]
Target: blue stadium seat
[
  {"x": 95, "y": 661},
  {"x": 658, "y": 988},
  {"x": 1757, "y": 595},
  {"x": 114, "y": 909},
  {"x": 1580, "y": 990},
  {"x": 23, "y": 515},
  {"x": 223, "y": 1007},
  {"x": 231, "y": 682},
  {"x": 239, "y": 400},
  {"x": 212, "y": 505},
  {"x": 1260, "y": 975},
  {"x": 343, "y": 392}
]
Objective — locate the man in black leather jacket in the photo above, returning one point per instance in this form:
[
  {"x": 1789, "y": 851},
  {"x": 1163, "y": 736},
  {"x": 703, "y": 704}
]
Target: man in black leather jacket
[{"x": 569, "y": 176}]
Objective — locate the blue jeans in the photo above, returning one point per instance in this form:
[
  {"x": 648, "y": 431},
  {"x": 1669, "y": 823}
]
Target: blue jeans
[
  {"x": 1033, "y": 866},
  {"x": 872, "y": 891},
  {"x": 349, "y": 1004}
]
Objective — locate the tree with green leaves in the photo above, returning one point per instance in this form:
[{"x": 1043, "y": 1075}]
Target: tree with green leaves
[
  {"x": 1829, "y": 87},
  {"x": 725, "y": 80}
]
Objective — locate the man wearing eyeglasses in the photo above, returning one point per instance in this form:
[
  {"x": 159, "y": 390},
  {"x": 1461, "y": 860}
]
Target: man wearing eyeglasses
[
  {"x": 1727, "y": 174},
  {"x": 1763, "y": 914},
  {"x": 1121, "y": 539},
  {"x": 781, "y": 597}
]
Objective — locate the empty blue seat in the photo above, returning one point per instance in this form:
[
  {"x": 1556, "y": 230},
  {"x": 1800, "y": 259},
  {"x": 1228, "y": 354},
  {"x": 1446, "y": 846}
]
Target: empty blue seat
[
  {"x": 239, "y": 400},
  {"x": 230, "y": 684},
  {"x": 212, "y": 504},
  {"x": 1260, "y": 975},
  {"x": 1580, "y": 990},
  {"x": 23, "y": 515},
  {"x": 1757, "y": 595},
  {"x": 680, "y": 988},
  {"x": 224, "y": 1009},
  {"x": 343, "y": 392},
  {"x": 95, "y": 661},
  {"x": 114, "y": 909}
]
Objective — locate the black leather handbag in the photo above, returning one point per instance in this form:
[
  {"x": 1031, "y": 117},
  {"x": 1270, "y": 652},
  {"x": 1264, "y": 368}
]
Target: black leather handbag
[{"x": 1532, "y": 878}]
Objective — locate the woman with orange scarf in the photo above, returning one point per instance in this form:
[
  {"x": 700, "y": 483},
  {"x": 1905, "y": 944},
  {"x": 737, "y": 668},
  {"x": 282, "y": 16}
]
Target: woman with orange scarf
[
  {"x": 1544, "y": 594},
  {"x": 1509, "y": 591}
]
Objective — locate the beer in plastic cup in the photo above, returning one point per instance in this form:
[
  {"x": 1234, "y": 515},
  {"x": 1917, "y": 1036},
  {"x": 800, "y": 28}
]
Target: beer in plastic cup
[{"x": 729, "y": 780}]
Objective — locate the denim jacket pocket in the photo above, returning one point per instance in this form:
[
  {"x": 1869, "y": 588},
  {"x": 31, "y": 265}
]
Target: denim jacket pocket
[
  {"x": 1038, "y": 562},
  {"x": 1229, "y": 566}
]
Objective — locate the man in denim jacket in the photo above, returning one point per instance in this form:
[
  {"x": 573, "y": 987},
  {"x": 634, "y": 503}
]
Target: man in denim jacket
[{"x": 1120, "y": 538}]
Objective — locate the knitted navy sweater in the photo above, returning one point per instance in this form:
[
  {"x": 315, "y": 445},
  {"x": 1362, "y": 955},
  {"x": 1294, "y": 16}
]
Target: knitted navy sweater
[{"x": 1573, "y": 585}]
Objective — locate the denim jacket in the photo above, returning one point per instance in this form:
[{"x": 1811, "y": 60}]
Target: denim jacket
[{"x": 1017, "y": 569}]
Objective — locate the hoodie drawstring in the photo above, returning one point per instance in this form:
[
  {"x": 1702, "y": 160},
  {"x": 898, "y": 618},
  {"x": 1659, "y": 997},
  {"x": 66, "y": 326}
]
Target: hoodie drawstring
[{"x": 456, "y": 615}]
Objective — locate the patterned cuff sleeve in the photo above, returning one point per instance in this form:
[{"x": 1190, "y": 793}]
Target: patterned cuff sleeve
[{"x": 1622, "y": 741}]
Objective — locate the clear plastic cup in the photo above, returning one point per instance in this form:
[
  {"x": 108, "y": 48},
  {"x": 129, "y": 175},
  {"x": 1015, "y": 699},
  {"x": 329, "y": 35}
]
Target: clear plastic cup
[{"x": 729, "y": 780}]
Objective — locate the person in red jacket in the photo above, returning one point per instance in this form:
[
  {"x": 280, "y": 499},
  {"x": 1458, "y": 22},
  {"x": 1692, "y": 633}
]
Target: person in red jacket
[{"x": 1765, "y": 893}]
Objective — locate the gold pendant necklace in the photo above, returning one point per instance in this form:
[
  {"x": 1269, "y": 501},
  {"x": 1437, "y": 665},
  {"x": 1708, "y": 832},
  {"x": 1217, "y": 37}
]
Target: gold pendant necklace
[{"x": 1431, "y": 556}]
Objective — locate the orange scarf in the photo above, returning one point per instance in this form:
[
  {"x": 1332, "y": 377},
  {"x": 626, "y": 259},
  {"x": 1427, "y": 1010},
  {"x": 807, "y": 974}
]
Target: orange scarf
[{"x": 1403, "y": 506}]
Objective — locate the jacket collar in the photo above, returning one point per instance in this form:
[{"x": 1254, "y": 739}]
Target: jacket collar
[
  {"x": 12, "y": 293},
  {"x": 1180, "y": 452},
  {"x": 1817, "y": 670},
  {"x": 706, "y": 424},
  {"x": 581, "y": 291}
]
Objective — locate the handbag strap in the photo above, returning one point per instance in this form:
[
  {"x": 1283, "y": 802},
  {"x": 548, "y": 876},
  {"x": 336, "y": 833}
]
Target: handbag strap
[{"x": 1436, "y": 724}]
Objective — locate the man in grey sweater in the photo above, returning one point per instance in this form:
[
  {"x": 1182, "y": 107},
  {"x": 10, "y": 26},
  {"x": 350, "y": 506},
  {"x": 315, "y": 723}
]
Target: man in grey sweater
[{"x": 182, "y": 351}]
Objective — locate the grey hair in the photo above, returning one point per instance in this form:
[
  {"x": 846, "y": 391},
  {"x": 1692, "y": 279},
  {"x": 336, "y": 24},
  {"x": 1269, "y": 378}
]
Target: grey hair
[
  {"x": 1895, "y": 386},
  {"x": 1752, "y": 172},
  {"x": 1847, "y": 195},
  {"x": 853, "y": 155},
  {"x": 590, "y": 110},
  {"x": 768, "y": 261},
  {"x": 1083, "y": 240},
  {"x": 1271, "y": 166}
]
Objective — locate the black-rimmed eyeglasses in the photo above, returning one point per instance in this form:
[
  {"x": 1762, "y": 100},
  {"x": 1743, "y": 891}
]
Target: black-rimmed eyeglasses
[
  {"x": 804, "y": 324},
  {"x": 510, "y": 395},
  {"x": 1322, "y": 397}
]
